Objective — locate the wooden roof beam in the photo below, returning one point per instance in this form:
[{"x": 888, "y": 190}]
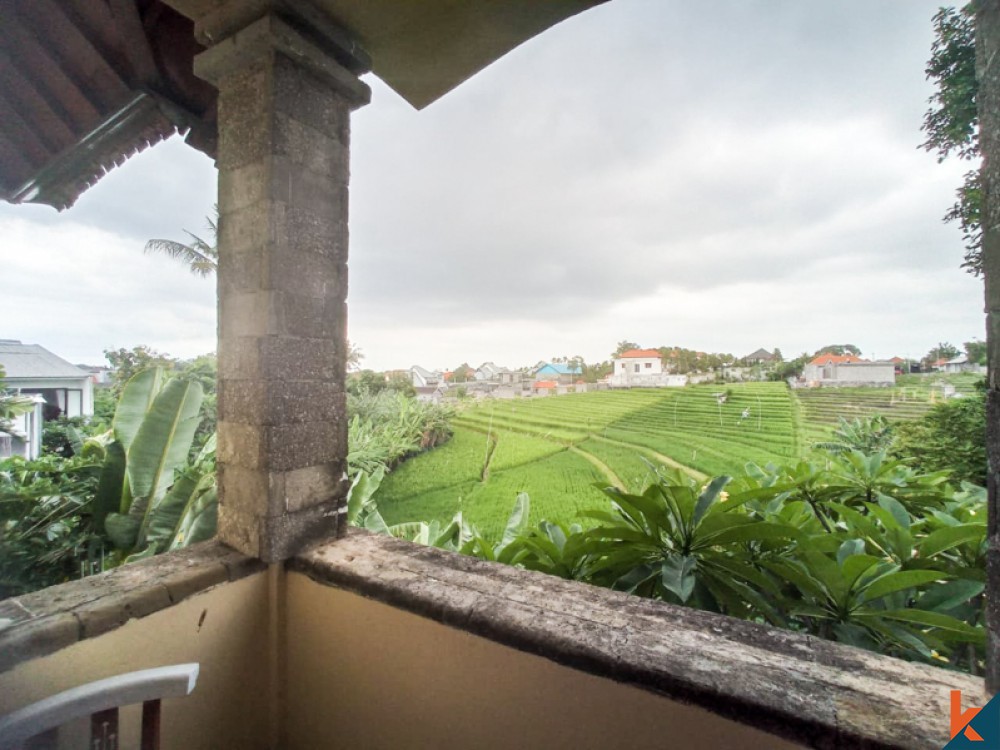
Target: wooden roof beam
[
  {"x": 46, "y": 72},
  {"x": 135, "y": 43},
  {"x": 24, "y": 136},
  {"x": 54, "y": 124},
  {"x": 49, "y": 19},
  {"x": 13, "y": 159}
]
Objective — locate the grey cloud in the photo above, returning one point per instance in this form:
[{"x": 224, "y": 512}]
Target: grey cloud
[{"x": 645, "y": 150}]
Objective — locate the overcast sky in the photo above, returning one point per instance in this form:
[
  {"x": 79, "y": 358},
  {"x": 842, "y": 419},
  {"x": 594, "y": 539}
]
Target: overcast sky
[{"x": 720, "y": 176}]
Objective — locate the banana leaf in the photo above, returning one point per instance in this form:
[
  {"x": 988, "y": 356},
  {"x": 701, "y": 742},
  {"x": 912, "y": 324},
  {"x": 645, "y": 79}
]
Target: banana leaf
[
  {"x": 110, "y": 486},
  {"x": 164, "y": 518},
  {"x": 199, "y": 519},
  {"x": 122, "y": 530},
  {"x": 160, "y": 448},
  {"x": 136, "y": 400}
]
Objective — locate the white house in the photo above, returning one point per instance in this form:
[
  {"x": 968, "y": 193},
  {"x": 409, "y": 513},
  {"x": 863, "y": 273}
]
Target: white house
[
  {"x": 31, "y": 369},
  {"x": 57, "y": 388},
  {"x": 961, "y": 363},
  {"x": 846, "y": 369},
  {"x": 643, "y": 368},
  {"x": 421, "y": 378},
  {"x": 489, "y": 372}
]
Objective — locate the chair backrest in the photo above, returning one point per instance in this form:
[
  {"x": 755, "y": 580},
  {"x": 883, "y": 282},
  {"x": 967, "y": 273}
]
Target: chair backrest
[{"x": 36, "y": 726}]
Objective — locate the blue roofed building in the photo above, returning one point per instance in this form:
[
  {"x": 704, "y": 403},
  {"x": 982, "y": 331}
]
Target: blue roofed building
[{"x": 564, "y": 374}]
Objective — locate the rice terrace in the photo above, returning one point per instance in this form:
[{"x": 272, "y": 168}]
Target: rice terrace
[{"x": 560, "y": 449}]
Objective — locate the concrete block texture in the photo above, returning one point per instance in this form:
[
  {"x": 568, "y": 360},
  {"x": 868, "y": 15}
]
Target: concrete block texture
[
  {"x": 282, "y": 447},
  {"x": 284, "y": 133},
  {"x": 280, "y": 402},
  {"x": 276, "y": 538}
]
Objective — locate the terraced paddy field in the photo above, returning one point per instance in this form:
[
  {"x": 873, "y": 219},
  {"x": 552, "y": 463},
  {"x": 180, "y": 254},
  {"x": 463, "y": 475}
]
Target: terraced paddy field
[
  {"x": 556, "y": 448},
  {"x": 911, "y": 398}
]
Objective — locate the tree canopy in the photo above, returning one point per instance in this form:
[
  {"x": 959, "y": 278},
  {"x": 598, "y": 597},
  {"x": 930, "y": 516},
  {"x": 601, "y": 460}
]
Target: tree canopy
[
  {"x": 952, "y": 122},
  {"x": 839, "y": 349}
]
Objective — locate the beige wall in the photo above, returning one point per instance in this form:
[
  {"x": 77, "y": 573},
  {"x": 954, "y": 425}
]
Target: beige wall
[
  {"x": 364, "y": 675},
  {"x": 224, "y": 629}
]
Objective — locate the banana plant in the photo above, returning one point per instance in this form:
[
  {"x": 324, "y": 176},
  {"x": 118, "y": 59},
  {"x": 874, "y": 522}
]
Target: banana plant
[
  {"x": 363, "y": 512},
  {"x": 150, "y": 440},
  {"x": 508, "y": 550}
]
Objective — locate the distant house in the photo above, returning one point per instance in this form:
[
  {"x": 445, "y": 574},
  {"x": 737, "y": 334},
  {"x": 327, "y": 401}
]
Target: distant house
[
  {"x": 58, "y": 388},
  {"x": 32, "y": 369},
  {"x": 544, "y": 387},
  {"x": 430, "y": 393},
  {"x": 99, "y": 374},
  {"x": 760, "y": 357},
  {"x": 938, "y": 365},
  {"x": 421, "y": 378},
  {"x": 510, "y": 377},
  {"x": 960, "y": 363},
  {"x": 643, "y": 368},
  {"x": 563, "y": 374},
  {"x": 488, "y": 372},
  {"x": 847, "y": 369}
]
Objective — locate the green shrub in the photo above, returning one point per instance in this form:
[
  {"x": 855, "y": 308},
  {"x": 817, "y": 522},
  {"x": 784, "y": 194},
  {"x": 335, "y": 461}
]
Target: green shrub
[{"x": 952, "y": 436}]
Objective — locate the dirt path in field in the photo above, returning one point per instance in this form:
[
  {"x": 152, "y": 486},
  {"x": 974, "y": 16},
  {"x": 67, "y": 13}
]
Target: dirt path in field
[
  {"x": 601, "y": 467},
  {"x": 665, "y": 460}
]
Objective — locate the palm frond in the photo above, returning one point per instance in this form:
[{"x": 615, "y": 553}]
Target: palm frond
[{"x": 200, "y": 257}]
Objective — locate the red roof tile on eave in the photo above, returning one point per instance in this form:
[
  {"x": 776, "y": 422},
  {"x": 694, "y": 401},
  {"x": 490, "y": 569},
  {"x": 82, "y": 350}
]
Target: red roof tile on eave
[
  {"x": 637, "y": 353},
  {"x": 836, "y": 359}
]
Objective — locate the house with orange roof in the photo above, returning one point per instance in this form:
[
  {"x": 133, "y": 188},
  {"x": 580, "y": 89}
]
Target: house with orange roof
[
  {"x": 544, "y": 387},
  {"x": 848, "y": 369},
  {"x": 643, "y": 368}
]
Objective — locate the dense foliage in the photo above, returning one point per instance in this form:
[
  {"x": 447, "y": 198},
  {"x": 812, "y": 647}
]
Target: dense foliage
[
  {"x": 952, "y": 122},
  {"x": 139, "y": 477},
  {"x": 860, "y": 549},
  {"x": 388, "y": 426},
  {"x": 952, "y": 436},
  {"x": 874, "y": 537},
  {"x": 47, "y": 528}
]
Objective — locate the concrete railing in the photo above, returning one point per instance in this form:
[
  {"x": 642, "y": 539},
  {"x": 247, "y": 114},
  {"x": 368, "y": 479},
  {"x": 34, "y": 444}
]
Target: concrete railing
[{"x": 373, "y": 642}]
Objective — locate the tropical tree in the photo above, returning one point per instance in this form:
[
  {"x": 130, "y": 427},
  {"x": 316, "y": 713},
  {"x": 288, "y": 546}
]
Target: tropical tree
[
  {"x": 943, "y": 350},
  {"x": 623, "y": 346},
  {"x": 975, "y": 350},
  {"x": 839, "y": 349},
  {"x": 201, "y": 256},
  {"x": 951, "y": 436},
  {"x": 126, "y": 363},
  {"x": 952, "y": 122}
]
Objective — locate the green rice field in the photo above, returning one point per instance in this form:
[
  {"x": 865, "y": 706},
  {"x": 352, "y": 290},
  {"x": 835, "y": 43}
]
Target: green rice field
[{"x": 558, "y": 448}]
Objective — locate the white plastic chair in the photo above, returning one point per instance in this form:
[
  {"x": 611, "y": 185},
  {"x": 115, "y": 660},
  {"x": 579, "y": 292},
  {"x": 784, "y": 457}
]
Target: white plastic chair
[{"x": 36, "y": 726}]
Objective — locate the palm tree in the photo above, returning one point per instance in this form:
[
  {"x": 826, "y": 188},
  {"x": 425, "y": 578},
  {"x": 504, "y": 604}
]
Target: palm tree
[{"x": 201, "y": 257}]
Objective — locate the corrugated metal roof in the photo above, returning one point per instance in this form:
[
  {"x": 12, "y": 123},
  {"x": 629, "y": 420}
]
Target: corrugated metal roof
[
  {"x": 560, "y": 369},
  {"x": 22, "y": 361}
]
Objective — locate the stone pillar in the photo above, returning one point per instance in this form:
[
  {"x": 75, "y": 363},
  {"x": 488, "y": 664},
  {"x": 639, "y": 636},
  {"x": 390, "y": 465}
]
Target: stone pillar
[
  {"x": 988, "y": 75},
  {"x": 284, "y": 124}
]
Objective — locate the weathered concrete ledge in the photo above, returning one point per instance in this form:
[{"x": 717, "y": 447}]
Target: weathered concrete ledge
[
  {"x": 811, "y": 691},
  {"x": 46, "y": 621}
]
